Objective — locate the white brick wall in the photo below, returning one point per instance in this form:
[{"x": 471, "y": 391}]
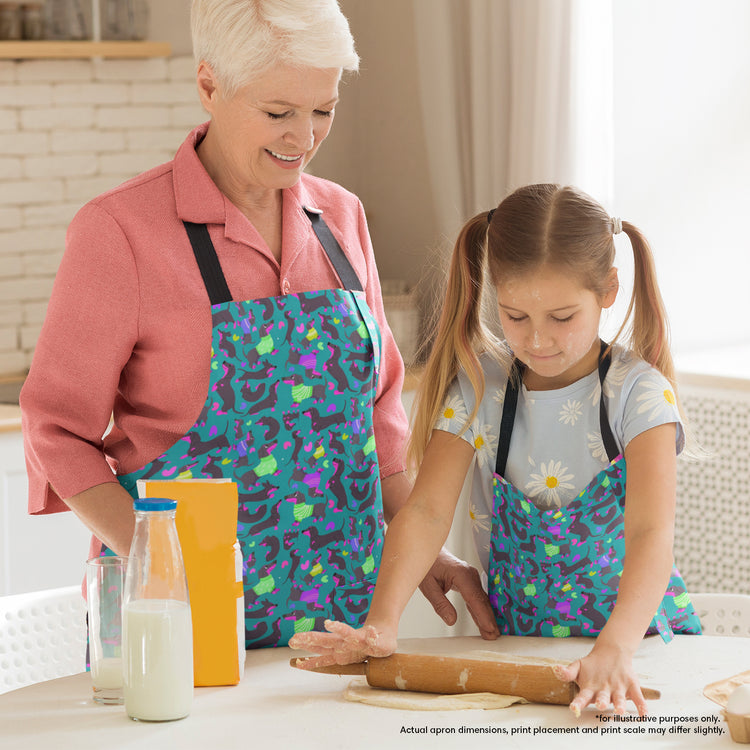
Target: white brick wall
[{"x": 69, "y": 130}]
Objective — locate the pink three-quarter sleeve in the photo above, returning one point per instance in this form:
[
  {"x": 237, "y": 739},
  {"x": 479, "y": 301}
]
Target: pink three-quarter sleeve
[{"x": 87, "y": 337}]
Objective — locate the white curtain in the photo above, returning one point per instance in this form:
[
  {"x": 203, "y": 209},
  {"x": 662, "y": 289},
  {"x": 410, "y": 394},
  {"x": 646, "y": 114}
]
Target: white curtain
[{"x": 513, "y": 92}]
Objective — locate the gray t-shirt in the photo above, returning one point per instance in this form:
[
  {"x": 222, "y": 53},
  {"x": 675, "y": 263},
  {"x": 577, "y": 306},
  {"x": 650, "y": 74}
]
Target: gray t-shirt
[{"x": 556, "y": 448}]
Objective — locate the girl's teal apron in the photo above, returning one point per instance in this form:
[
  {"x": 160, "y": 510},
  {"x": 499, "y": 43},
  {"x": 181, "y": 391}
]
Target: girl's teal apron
[
  {"x": 557, "y": 572},
  {"x": 288, "y": 417}
]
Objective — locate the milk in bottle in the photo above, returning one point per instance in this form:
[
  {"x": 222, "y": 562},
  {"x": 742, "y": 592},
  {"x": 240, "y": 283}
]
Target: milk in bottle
[{"x": 157, "y": 626}]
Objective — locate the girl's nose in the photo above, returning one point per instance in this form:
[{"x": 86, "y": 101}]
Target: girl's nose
[{"x": 540, "y": 339}]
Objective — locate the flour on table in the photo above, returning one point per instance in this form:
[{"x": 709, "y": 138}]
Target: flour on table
[{"x": 720, "y": 691}]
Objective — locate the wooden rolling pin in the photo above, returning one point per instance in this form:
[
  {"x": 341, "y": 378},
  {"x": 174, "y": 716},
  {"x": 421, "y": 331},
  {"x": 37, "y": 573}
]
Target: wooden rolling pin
[{"x": 449, "y": 675}]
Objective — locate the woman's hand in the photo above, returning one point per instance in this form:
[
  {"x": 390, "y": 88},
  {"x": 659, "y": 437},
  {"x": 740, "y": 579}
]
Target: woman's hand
[
  {"x": 343, "y": 644},
  {"x": 448, "y": 573},
  {"x": 605, "y": 677}
]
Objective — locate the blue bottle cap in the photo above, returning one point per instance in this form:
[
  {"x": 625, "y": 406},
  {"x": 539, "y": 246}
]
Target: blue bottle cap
[{"x": 154, "y": 503}]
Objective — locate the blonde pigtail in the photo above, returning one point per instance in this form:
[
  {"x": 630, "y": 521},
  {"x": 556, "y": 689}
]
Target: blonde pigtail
[
  {"x": 649, "y": 327},
  {"x": 460, "y": 335}
]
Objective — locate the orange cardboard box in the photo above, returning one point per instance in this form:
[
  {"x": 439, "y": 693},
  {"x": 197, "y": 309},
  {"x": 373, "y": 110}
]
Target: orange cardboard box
[{"x": 206, "y": 522}]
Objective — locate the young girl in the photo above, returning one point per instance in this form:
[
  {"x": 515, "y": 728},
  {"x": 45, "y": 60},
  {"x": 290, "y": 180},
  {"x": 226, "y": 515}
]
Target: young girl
[{"x": 552, "y": 418}]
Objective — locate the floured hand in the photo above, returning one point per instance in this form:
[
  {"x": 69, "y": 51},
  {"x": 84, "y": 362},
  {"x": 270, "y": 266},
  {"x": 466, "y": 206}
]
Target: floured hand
[
  {"x": 605, "y": 677},
  {"x": 342, "y": 644}
]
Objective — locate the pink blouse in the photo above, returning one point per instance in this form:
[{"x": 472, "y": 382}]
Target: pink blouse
[{"x": 128, "y": 328}]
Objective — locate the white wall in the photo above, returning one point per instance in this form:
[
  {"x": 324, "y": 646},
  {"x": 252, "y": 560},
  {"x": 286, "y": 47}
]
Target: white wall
[
  {"x": 682, "y": 156},
  {"x": 69, "y": 130}
]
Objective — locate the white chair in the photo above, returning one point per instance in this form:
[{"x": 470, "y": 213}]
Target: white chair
[
  {"x": 723, "y": 614},
  {"x": 42, "y": 636}
]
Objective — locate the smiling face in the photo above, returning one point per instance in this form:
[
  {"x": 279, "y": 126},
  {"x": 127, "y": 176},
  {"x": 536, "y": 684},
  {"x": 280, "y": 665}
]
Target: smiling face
[
  {"x": 551, "y": 323},
  {"x": 261, "y": 138}
]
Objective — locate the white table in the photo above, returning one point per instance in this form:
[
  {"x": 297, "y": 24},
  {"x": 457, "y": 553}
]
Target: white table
[{"x": 276, "y": 706}]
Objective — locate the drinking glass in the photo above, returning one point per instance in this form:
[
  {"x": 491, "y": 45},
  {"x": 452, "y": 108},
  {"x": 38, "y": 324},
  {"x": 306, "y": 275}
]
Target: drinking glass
[{"x": 105, "y": 581}]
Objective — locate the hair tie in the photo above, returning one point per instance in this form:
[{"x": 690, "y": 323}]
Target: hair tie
[
  {"x": 616, "y": 225},
  {"x": 490, "y": 214}
]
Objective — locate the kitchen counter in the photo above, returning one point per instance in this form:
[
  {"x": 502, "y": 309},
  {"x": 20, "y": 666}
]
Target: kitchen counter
[
  {"x": 10, "y": 417},
  {"x": 10, "y": 413},
  {"x": 276, "y": 706}
]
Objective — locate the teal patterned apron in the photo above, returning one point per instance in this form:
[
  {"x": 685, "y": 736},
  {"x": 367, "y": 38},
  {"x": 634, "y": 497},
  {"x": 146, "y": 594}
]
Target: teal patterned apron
[
  {"x": 556, "y": 572},
  {"x": 288, "y": 417}
]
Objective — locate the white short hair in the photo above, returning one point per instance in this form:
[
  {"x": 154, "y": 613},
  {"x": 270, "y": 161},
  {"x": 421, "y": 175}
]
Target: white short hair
[{"x": 242, "y": 39}]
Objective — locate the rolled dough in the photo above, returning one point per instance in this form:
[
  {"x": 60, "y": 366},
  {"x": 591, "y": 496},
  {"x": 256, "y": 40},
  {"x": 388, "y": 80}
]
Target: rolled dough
[{"x": 406, "y": 700}]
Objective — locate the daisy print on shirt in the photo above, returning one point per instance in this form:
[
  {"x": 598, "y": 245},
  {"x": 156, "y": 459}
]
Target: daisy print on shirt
[
  {"x": 657, "y": 400},
  {"x": 596, "y": 447},
  {"x": 479, "y": 521},
  {"x": 571, "y": 412},
  {"x": 454, "y": 410},
  {"x": 551, "y": 486},
  {"x": 485, "y": 444},
  {"x": 621, "y": 365}
]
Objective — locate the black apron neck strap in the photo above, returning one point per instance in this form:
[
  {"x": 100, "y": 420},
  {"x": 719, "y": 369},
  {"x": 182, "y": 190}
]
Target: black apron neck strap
[
  {"x": 610, "y": 444},
  {"x": 208, "y": 263},
  {"x": 510, "y": 403},
  {"x": 213, "y": 276},
  {"x": 339, "y": 261}
]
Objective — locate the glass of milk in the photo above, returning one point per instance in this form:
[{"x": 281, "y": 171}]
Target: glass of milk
[{"x": 105, "y": 583}]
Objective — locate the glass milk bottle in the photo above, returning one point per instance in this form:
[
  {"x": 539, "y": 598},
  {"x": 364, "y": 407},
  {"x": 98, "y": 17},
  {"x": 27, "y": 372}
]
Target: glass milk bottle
[{"x": 157, "y": 628}]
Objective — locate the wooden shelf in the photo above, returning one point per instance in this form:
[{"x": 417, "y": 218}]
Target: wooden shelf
[{"x": 68, "y": 50}]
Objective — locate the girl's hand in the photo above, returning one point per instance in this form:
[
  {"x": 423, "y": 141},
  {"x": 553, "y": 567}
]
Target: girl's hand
[
  {"x": 343, "y": 644},
  {"x": 605, "y": 677}
]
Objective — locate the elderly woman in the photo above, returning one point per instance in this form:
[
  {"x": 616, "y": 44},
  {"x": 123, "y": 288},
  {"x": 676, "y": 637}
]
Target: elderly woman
[{"x": 225, "y": 309}]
